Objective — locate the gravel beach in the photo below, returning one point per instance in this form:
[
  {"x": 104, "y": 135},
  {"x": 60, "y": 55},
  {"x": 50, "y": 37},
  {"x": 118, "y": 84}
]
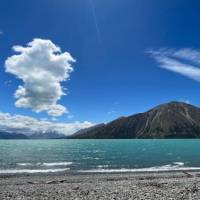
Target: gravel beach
[{"x": 179, "y": 185}]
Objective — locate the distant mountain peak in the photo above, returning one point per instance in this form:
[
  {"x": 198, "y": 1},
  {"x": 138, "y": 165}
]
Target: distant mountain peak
[{"x": 173, "y": 104}]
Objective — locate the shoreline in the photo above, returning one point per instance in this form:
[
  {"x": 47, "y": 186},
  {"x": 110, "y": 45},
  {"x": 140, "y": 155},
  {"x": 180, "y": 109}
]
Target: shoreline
[
  {"x": 160, "y": 185},
  {"x": 68, "y": 171}
]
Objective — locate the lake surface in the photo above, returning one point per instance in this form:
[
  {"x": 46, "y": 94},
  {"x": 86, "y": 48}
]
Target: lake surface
[{"x": 31, "y": 156}]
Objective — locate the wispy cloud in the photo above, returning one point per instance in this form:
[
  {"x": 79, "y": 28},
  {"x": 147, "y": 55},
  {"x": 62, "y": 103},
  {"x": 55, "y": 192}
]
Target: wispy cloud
[
  {"x": 70, "y": 116},
  {"x": 95, "y": 21},
  {"x": 110, "y": 112},
  {"x": 183, "y": 61},
  {"x": 113, "y": 109}
]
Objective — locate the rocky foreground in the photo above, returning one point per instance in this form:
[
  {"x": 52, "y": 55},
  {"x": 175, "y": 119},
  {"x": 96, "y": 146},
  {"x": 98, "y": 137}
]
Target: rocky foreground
[{"x": 180, "y": 185}]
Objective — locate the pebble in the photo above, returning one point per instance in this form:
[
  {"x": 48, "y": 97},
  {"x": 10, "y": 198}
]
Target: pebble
[{"x": 99, "y": 187}]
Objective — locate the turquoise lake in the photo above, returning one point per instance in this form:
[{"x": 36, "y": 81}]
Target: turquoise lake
[{"x": 31, "y": 156}]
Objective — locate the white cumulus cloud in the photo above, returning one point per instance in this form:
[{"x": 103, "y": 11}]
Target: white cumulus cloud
[
  {"x": 183, "y": 61},
  {"x": 29, "y": 125},
  {"x": 42, "y": 67}
]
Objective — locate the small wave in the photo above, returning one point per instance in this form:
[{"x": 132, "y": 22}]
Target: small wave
[
  {"x": 177, "y": 166},
  {"x": 24, "y": 164},
  {"x": 179, "y": 163},
  {"x": 31, "y": 171},
  {"x": 103, "y": 166},
  {"x": 45, "y": 164},
  {"x": 123, "y": 170},
  {"x": 57, "y": 164}
]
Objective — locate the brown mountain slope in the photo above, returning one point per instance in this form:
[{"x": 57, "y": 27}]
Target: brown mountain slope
[{"x": 171, "y": 120}]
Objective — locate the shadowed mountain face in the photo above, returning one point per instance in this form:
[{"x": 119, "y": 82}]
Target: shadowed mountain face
[{"x": 171, "y": 120}]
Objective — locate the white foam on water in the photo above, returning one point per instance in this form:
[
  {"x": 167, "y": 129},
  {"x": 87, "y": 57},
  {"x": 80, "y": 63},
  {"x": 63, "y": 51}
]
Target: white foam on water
[
  {"x": 57, "y": 164},
  {"x": 24, "y": 164},
  {"x": 179, "y": 163},
  {"x": 177, "y": 166},
  {"x": 123, "y": 170},
  {"x": 51, "y": 164},
  {"x": 103, "y": 166},
  {"x": 31, "y": 171}
]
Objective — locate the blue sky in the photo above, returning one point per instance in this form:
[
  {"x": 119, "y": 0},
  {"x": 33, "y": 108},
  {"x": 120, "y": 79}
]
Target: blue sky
[{"x": 116, "y": 45}]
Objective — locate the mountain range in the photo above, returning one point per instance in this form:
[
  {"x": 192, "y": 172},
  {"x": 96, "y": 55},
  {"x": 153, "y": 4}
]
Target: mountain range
[
  {"x": 46, "y": 135},
  {"x": 7, "y": 135},
  {"x": 170, "y": 120}
]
